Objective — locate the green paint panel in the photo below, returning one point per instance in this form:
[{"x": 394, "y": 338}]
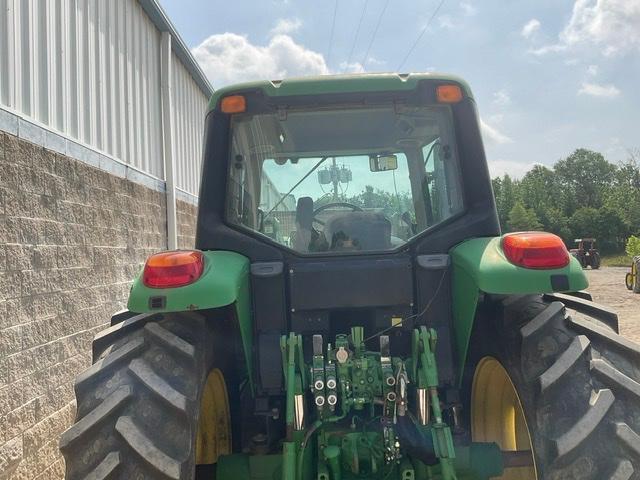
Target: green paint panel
[
  {"x": 225, "y": 276},
  {"x": 484, "y": 260},
  {"x": 225, "y": 281},
  {"x": 479, "y": 265},
  {"x": 360, "y": 83}
]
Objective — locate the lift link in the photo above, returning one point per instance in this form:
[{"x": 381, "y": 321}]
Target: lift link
[
  {"x": 426, "y": 373},
  {"x": 296, "y": 382}
]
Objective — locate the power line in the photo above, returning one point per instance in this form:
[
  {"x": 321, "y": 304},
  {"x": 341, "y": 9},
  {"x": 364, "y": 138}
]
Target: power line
[
  {"x": 355, "y": 40},
  {"x": 375, "y": 32},
  {"x": 333, "y": 26},
  {"x": 415, "y": 44}
]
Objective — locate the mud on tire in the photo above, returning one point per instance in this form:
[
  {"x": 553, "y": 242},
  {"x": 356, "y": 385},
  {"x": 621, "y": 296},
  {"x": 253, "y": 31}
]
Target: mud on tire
[
  {"x": 578, "y": 381},
  {"x": 138, "y": 404}
]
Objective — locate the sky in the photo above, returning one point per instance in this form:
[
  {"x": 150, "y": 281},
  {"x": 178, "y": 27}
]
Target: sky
[{"x": 549, "y": 76}]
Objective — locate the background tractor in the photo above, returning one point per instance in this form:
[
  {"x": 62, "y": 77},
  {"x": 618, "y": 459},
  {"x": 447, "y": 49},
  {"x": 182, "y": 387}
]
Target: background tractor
[
  {"x": 586, "y": 253},
  {"x": 352, "y": 311}
]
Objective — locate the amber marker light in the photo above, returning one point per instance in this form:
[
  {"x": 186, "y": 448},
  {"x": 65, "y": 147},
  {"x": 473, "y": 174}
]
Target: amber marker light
[
  {"x": 448, "y": 93},
  {"x": 173, "y": 269},
  {"x": 234, "y": 104},
  {"x": 535, "y": 250}
]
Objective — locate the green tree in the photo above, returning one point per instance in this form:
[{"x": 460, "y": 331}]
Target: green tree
[
  {"x": 506, "y": 195},
  {"x": 633, "y": 246},
  {"x": 623, "y": 196},
  {"x": 555, "y": 221},
  {"x": 584, "y": 177},
  {"x": 582, "y": 222},
  {"x": 370, "y": 197},
  {"x": 610, "y": 230},
  {"x": 522, "y": 219},
  {"x": 539, "y": 189},
  {"x": 583, "y": 195}
]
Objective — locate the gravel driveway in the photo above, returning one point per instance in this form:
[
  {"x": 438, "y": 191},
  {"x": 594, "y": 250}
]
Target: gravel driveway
[{"x": 607, "y": 287}]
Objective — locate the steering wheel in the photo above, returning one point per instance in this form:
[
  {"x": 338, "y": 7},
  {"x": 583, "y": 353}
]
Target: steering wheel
[{"x": 327, "y": 206}]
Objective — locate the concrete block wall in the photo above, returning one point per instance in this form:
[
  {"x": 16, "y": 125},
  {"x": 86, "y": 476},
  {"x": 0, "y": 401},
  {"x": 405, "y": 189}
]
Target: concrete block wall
[
  {"x": 186, "y": 215},
  {"x": 72, "y": 237}
]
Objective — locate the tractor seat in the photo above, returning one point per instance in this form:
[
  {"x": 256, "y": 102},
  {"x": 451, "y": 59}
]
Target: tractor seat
[
  {"x": 304, "y": 224},
  {"x": 358, "y": 231}
]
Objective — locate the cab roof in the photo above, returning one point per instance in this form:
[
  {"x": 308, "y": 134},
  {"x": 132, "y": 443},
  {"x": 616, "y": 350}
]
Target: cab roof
[{"x": 328, "y": 84}]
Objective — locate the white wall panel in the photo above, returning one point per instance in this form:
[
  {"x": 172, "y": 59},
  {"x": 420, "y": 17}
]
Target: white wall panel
[
  {"x": 189, "y": 108},
  {"x": 90, "y": 69}
]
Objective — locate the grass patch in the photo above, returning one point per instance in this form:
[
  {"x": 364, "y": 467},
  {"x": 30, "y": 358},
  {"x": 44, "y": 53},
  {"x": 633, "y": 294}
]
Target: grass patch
[{"x": 616, "y": 261}]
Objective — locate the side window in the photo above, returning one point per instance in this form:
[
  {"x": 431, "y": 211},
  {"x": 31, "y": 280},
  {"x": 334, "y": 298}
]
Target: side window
[{"x": 442, "y": 179}]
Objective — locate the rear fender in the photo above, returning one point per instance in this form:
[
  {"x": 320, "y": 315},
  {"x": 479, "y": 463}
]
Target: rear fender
[
  {"x": 480, "y": 266},
  {"x": 224, "y": 282}
]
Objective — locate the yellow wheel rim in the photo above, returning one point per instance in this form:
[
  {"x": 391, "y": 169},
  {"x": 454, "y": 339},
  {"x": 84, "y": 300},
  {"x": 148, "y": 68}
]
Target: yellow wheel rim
[
  {"x": 497, "y": 415},
  {"x": 214, "y": 426}
]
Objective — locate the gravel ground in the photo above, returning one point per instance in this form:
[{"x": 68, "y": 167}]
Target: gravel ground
[{"x": 607, "y": 287}]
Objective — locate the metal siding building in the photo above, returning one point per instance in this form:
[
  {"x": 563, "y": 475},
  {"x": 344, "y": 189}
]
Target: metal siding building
[{"x": 90, "y": 72}]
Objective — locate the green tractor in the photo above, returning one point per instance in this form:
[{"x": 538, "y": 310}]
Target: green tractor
[{"x": 387, "y": 331}]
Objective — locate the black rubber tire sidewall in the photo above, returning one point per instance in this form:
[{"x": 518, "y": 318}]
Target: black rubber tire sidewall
[
  {"x": 168, "y": 429},
  {"x": 560, "y": 407}
]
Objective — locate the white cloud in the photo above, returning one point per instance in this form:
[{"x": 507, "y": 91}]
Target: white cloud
[
  {"x": 597, "y": 90},
  {"x": 445, "y": 21},
  {"x": 501, "y": 98},
  {"x": 455, "y": 22},
  {"x": 355, "y": 67},
  {"x": 228, "y": 58},
  {"x": 529, "y": 28},
  {"x": 492, "y": 135},
  {"x": 374, "y": 61},
  {"x": 500, "y": 167},
  {"x": 468, "y": 9},
  {"x": 611, "y": 25},
  {"x": 559, "y": 47},
  {"x": 285, "y": 26},
  {"x": 592, "y": 70}
]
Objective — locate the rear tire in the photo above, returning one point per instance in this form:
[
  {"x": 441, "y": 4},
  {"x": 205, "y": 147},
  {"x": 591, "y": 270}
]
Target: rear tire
[
  {"x": 139, "y": 403},
  {"x": 577, "y": 380},
  {"x": 628, "y": 281},
  {"x": 582, "y": 258},
  {"x": 594, "y": 260}
]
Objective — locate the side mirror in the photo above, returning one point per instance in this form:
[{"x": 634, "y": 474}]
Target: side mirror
[{"x": 382, "y": 163}]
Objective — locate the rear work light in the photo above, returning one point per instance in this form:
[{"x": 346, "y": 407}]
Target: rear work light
[
  {"x": 173, "y": 269},
  {"x": 535, "y": 250}
]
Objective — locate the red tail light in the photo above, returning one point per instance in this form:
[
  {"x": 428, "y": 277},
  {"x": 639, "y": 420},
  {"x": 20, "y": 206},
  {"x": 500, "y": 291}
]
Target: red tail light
[
  {"x": 173, "y": 269},
  {"x": 535, "y": 250}
]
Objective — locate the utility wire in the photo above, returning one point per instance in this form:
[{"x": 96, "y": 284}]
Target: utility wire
[
  {"x": 355, "y": 39},
  {"x": 295, "y": 186},
  {"x": 415, "y": 44},
  {"x": 375, "y": 33},
  {"x": 333, "y": 26}
]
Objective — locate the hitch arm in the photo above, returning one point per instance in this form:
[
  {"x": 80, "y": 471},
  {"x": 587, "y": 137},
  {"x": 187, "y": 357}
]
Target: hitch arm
[{"x": 426, "y": 376}]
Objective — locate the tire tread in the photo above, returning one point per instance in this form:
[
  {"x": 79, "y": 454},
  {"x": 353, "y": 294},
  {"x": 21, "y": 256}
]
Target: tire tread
[
  {"x": 585, "y": 426},
  {"x": 98, "y": 415},
  {"x": 147, "y": 450},
  {"x": 106, "y": 467},
  {"x": 564, "y": 362}
]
